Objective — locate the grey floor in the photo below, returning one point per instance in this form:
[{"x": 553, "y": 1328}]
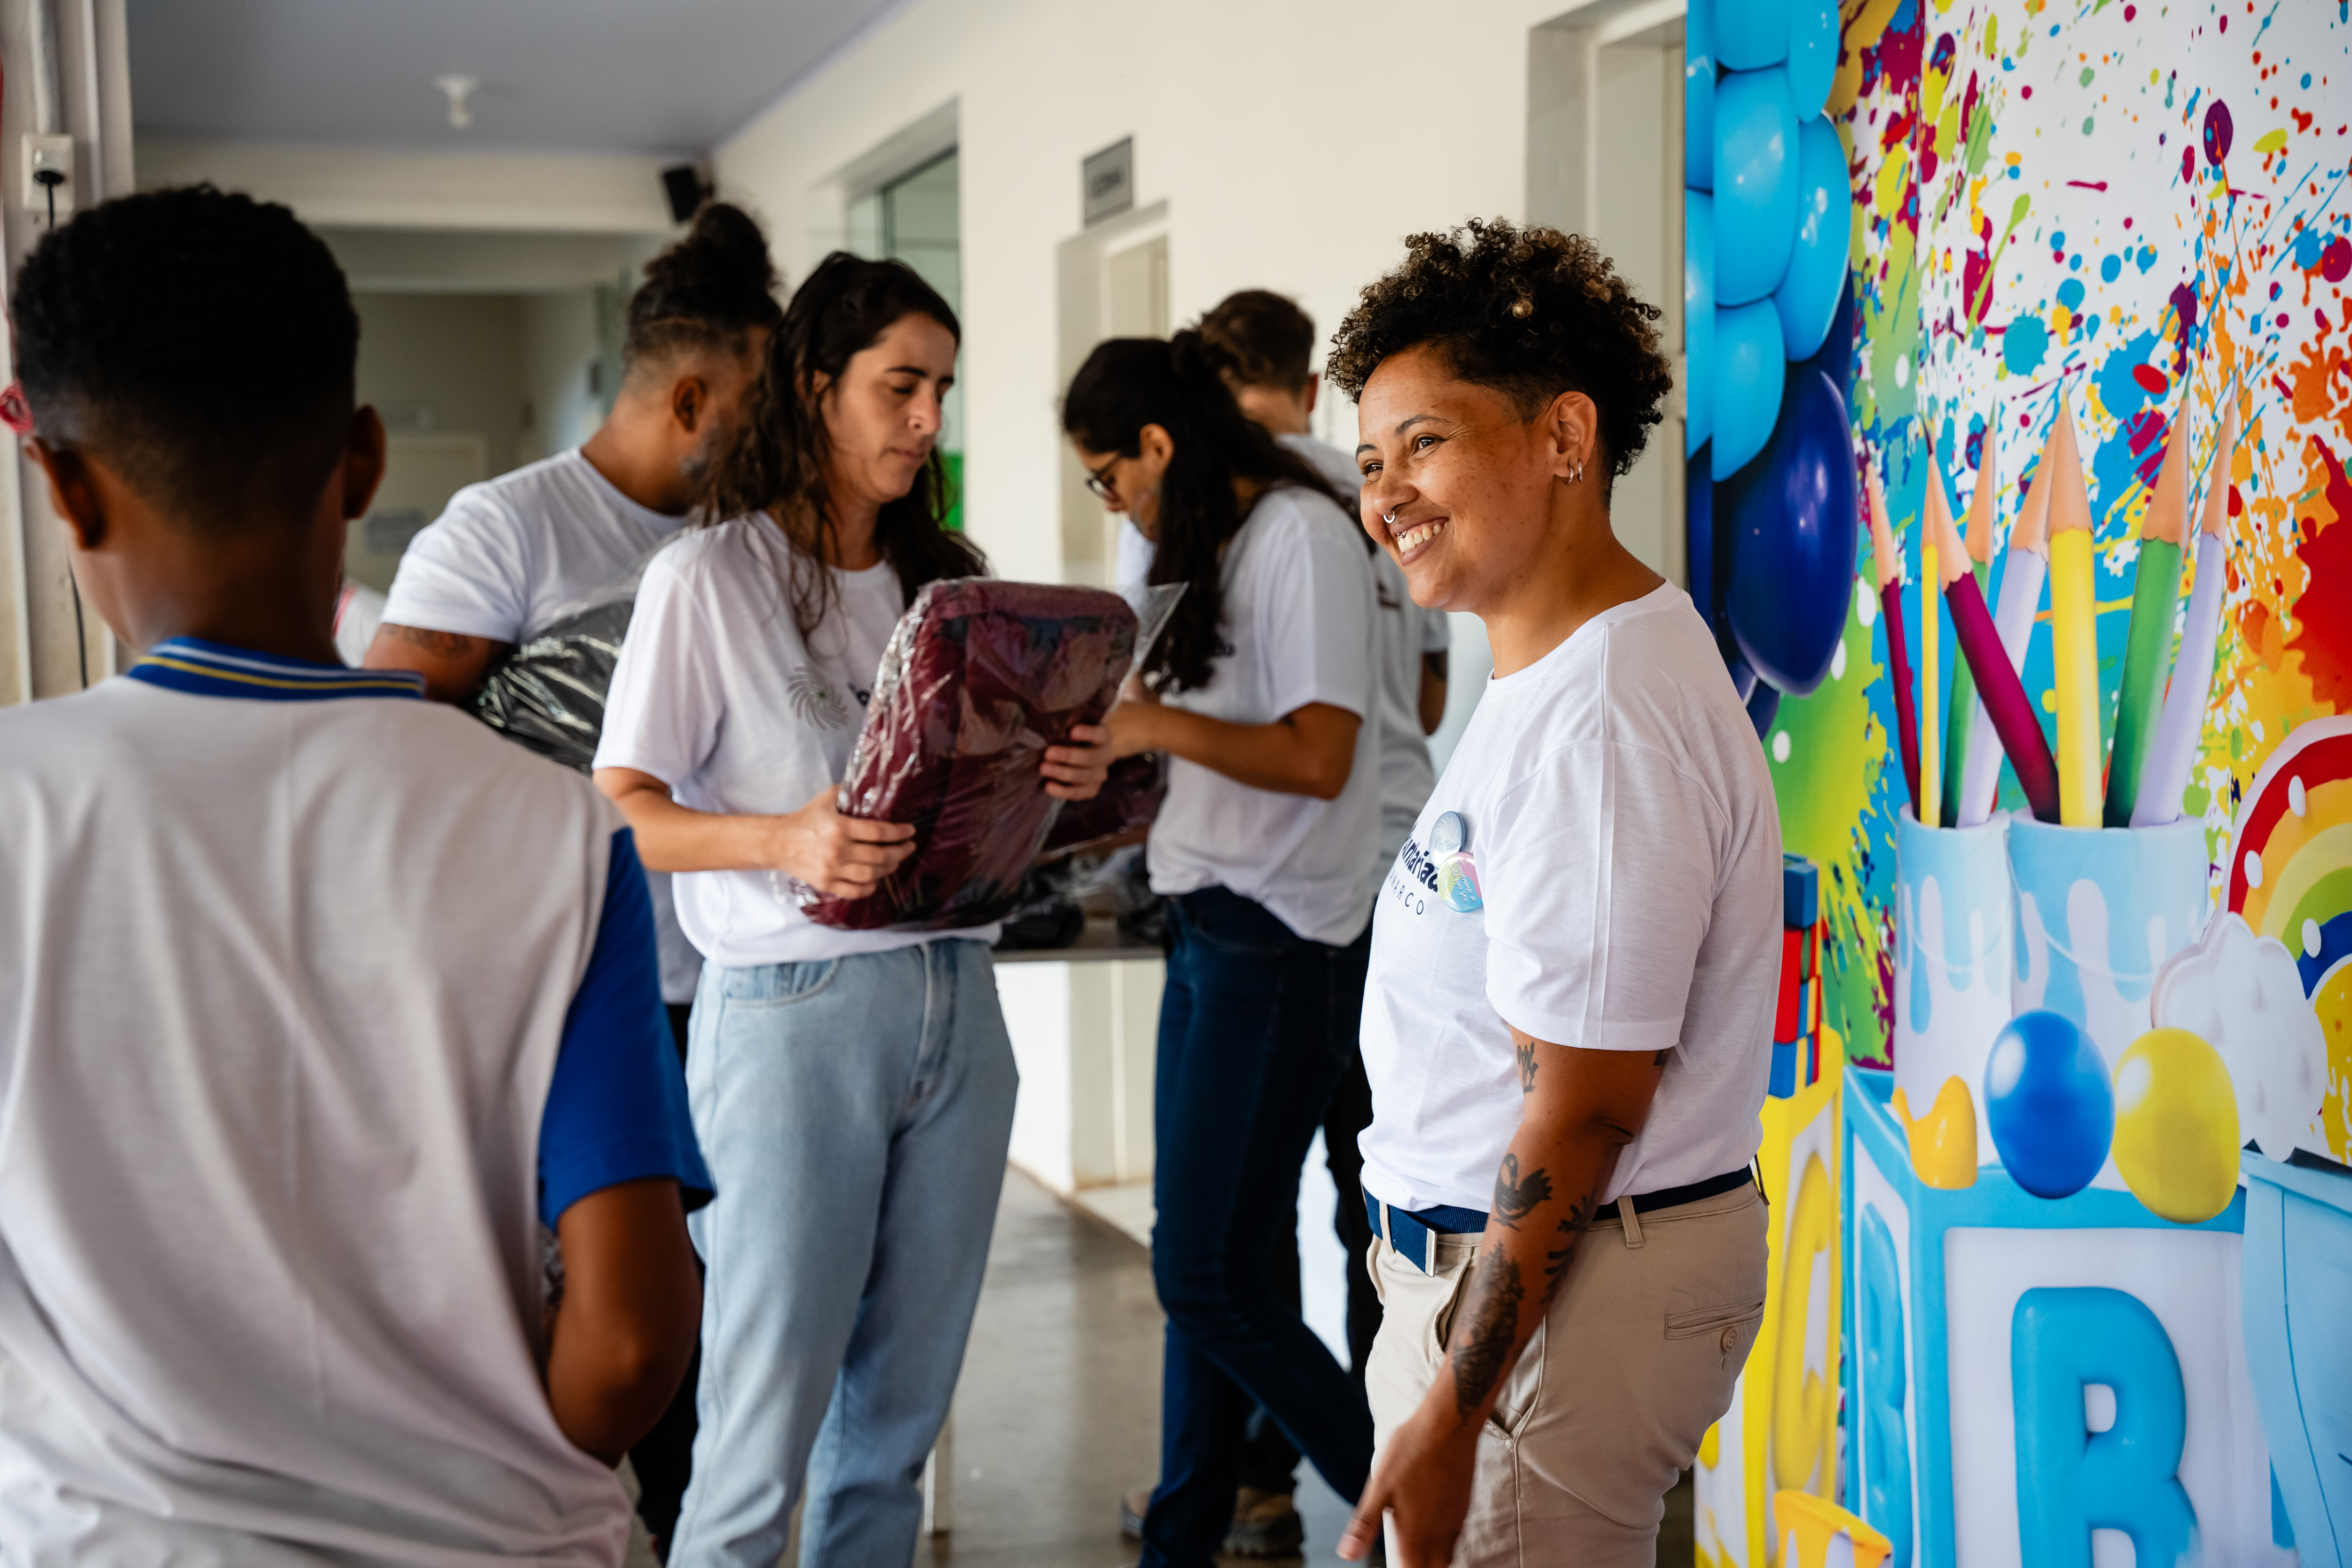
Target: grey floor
[{"x": 1059, "y": 1407}]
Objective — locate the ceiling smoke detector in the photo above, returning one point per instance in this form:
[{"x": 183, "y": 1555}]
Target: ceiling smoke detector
[{"x": 459, "y": 90}]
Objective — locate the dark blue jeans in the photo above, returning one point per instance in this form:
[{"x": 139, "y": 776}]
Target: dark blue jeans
[{"x": 1256, "y": 1026}]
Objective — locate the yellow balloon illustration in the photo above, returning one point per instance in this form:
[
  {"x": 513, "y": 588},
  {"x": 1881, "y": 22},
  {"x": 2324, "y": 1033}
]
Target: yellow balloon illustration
[
  {"x": 2177, "y": 1126},
  {"x": 1944, "y": 1140}
]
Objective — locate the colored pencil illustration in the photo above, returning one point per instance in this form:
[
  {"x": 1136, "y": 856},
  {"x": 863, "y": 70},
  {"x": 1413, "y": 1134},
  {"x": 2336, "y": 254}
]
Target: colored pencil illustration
[
  {"x": 2147, "y": 651},
  {"x": 1886, "y": 555},
  {"x": 2010, "y": 713},
  {"x": 2174, "y": 750},
  {"x": 1964, "y": 715},
  {"x": 2073, "y": 633}
]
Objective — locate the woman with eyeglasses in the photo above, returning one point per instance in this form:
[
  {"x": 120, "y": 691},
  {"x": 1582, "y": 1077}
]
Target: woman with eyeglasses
[
  {"x": 852, "y": 1090},
  {"x": 1260, "y": 693}
]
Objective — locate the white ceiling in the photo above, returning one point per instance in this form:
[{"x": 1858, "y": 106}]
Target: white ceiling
[{"x": 666, "y": 76}]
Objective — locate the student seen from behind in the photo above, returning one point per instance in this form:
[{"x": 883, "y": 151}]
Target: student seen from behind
[{"x": 276, "y": 1158}]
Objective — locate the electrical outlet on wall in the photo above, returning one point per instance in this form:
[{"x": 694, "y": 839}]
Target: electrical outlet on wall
[{"x": 48, "y": 172}]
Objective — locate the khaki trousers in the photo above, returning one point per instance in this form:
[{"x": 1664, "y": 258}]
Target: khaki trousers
[{"x": 1607, "y": 1404}]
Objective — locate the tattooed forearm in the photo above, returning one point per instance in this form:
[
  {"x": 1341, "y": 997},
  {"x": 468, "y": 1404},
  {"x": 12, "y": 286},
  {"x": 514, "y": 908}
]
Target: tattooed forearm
[
  {"x": 1579, "y": 1220},
  {"x": 1526, "y": 1054},
  {"x": 1515, "y": 1197},
  {"x": 1485, "y": 1340},
  {"x": 446, "y": 644}
]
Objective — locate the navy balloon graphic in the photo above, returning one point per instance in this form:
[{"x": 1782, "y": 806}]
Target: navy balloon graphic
[
  {"x": 2048, "y": 1103},
  {"x": 1808, "y": 295},
  {"x": 1698, "y": 320},
  {"x": 1698, "y": 493},
  {"x": 1790, "y": 516},
  {"x": 1749, "y": 364},
  {"x": 1756, "y": 178}
]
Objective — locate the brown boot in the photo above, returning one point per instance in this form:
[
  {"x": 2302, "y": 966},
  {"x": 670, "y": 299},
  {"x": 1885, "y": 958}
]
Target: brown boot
[{"x": 1265, "y": 1524}]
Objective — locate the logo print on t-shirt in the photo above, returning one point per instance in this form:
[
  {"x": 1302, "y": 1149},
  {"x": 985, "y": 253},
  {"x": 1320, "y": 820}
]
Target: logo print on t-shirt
[{"x": 815, "y": 701}]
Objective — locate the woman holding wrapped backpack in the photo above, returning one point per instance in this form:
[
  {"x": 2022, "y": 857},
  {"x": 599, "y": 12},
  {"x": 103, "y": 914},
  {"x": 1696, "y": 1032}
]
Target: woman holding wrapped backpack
[
  {"x": 1260, "y": 694},
  {"x": 852, "y": 1090}
]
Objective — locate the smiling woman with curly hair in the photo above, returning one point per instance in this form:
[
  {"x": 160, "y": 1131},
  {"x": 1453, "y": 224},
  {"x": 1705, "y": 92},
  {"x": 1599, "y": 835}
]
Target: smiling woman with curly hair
[{"x": 1575, "y": 958}]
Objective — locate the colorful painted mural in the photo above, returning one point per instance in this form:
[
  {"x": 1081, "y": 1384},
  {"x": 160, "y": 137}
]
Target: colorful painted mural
[
  {"x": 2100, "y": 289},
  {"x": 2144, "y": 209}
]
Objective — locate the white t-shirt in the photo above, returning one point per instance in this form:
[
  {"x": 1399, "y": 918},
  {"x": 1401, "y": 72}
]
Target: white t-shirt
[
  {"x": 506, "y": 558},
  {"x": 1616, "y": 805},
  {"x": 718, "y": 696},
  {"x": 508, "y": 555},
  {"x": 358, "y": 610},
  {"x": 295, "y": 963},
  {"x": 1405, "y": 632},
  {"x": 1296, "y": 628}
]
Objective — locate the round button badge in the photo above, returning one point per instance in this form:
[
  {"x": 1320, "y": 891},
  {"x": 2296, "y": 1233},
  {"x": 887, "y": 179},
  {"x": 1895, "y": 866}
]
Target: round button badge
[{"x": 1447, "y": 834}]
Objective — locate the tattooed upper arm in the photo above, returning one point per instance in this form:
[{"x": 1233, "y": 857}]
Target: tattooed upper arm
[
  {"x": 1526, "y": 1050},
  {"x": 441, "y": 644}
]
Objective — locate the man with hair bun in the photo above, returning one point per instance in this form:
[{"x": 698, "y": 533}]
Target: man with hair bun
[{"x": 507, "y": 556}]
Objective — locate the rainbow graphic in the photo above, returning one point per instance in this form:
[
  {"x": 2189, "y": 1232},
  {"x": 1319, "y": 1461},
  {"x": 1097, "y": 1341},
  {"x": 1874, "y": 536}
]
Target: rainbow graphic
[{"x": 2291, "y": 878}]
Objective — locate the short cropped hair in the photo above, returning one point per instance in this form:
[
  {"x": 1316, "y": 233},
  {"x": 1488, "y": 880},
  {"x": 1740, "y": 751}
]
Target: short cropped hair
[
  {"x": 705, "y": 293},
  {"x": 1260, "y": 339},
  {"x": 200, "y": 343},
  {"x": 1530, "y": 312}
]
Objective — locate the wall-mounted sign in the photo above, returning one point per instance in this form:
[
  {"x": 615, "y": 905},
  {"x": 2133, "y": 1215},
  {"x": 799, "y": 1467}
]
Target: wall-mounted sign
[{"x": 1106, "y": 180}]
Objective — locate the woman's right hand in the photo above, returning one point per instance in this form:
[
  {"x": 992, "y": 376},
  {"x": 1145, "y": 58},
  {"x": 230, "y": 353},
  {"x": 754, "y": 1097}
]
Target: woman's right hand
[{"x": 840, "y": 856}]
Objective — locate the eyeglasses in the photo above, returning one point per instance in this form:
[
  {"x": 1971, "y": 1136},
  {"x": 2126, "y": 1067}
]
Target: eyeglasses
[{"x": 1099, "y": 481}]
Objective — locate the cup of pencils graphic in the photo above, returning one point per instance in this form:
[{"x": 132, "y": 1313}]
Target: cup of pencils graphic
[{"x": 1953, "y": 958}]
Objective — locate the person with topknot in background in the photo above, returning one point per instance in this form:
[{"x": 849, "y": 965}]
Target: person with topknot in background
[{"x": 507, "y": 557}]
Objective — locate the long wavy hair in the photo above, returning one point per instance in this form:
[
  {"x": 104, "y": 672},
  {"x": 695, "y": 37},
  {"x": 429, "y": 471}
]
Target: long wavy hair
[
  {"x": 1128, "y": 383},
  {"x": 779, "y": 459}
]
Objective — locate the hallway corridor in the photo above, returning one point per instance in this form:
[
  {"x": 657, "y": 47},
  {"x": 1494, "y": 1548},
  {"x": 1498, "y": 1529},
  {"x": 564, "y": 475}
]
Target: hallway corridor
[{"x": 1059, "y": 1409}]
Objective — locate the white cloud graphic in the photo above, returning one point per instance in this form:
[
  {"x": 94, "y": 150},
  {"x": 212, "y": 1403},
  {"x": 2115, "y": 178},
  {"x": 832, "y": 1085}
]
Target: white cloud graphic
[{"x": 2242, "y": 996}]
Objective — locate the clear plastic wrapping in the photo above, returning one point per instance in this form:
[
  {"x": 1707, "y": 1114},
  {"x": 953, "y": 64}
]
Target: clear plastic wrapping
[{"x": 978, "y": 679}]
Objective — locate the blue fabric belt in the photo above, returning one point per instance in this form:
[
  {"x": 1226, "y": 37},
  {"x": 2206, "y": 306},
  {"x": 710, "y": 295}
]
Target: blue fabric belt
[{"x": 1408, "y": 1230}]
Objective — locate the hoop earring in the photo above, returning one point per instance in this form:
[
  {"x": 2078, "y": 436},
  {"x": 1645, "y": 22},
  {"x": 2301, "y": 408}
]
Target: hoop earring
[{"x": 1576, "y": 473}]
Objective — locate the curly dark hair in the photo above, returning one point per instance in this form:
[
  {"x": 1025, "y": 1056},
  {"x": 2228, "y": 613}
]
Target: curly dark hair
[
  {"x": 203, "y": 345},
  {"x": 1531, "y": 313},
  {"x": 705, "y": 293},
  {"x": 776, "y": 459},
  {"x": 1127, "y": 384}
]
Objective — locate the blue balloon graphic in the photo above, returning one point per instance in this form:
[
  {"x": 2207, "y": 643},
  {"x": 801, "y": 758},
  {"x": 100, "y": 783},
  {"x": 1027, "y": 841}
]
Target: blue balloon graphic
[
  {"x": 1756, "y": 175},
  {"x": 1698, "y": 536},
  {"x": 1813, "y": 53},
  {"x": 1749, "y": 363},
  {"x": 1698, "y": 95},
  {"x": 1808, "y": 295},
  {"x": 2049, "y": 1105},
  {"x": 1751, "y": 34},
  {"x": 1699, "y": 318},
  {"x": 1792, "y": 517},
  {"x": 1834, "y": 357}
]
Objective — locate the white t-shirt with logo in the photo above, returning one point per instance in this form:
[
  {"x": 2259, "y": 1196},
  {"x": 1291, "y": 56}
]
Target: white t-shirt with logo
[
  {"x": 718, "y": 696},
  {"x": 1297, "y": 628},
  {"x": 1405, "y": 633},
  {"x": 506, "y": 558},
  {"x": 1615, "y": 803}
]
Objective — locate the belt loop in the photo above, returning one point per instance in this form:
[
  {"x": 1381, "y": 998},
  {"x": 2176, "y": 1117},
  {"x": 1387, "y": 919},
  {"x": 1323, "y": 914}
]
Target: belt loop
[{"x": 1632, "y": 1221}]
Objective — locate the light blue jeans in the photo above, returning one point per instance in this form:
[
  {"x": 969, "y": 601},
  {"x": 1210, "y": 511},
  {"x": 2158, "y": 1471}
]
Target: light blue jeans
[{"x": 855, "y": 1113}]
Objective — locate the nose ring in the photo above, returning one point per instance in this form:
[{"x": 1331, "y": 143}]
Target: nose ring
[{"x": 1389, "y": 518}]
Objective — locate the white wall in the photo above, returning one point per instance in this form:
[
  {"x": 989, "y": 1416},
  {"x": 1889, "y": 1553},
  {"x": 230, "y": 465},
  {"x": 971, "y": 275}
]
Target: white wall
[
  {"x": 458, "y": 355},
  {"x": 1296, "y": 145},
  {"x": 559, "y": 343}
]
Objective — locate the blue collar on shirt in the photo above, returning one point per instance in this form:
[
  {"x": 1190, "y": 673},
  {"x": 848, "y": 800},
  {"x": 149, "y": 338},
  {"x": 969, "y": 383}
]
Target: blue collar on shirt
[{"x": 215, "y": 670}]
